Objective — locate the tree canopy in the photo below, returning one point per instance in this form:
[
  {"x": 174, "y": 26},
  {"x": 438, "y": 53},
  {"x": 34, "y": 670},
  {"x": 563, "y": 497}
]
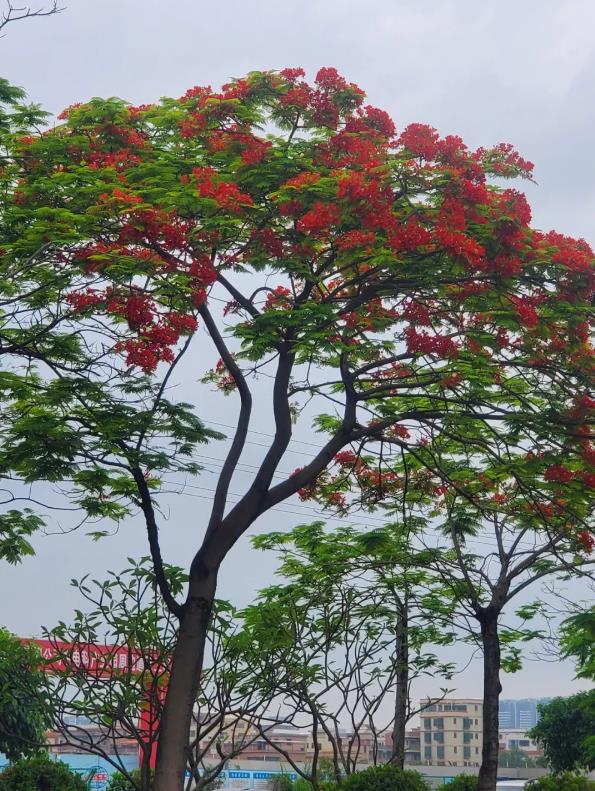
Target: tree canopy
[
  {"x": 386, "y": 282},
  {"x": 565, "y": 730},
  {"x": 24, "y": 709}
]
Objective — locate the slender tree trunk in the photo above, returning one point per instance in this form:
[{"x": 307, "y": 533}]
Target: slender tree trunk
[
  {"x": 145, "y": 772},
  {"x": 184, "y": 679},
  {"x": 402, "y": 688},
  {"x": 488, "y": 773}
]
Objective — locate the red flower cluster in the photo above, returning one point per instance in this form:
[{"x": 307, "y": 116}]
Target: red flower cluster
[
  {"x": 420, "y": 140},
  {"x": 587, "y": 541},
  {"x": 320, "y": 219},
  {"x": 424, "y": 343},
  {"x": 558, "y": 473},
  {"x": 226, "y": 195},
  {"x": 354, "y": 239},
  {"x": 452, "y": 380},
  {"x": 459, "y": 245},
  {"x": 409, "y": 236},
  {"x": 416, "y": 313},
  {"x": 81, "y": 301},
  {"x": 279, "y": 297},
  {"x": 526, "y": 313},
  {"x": 380, "y": 120},
  {"x": 145, "y": 354},
  {"x": 305, "y": 179}
]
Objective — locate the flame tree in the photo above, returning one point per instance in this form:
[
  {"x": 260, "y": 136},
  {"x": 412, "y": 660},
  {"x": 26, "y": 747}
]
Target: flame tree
[{"x": 384, "y": 275}]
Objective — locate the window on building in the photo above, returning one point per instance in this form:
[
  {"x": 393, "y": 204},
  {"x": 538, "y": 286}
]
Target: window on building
[
  {"x": 454, "y": 749},
  {"x": 440, "y": 753},
  {"x": 428, "y": 753},
  {"x": 427, "y": 738},
  {"x": 476, "y": 721},
  {"x": 477, "y": 751},
  {"x": 477, "y": 735},
  {"x": 439, "y": 722},
  {"x": 467, "y": 723},
  {"x": 439, "y": 737},
  {"x": 466, "y": 752},
  {"x": 427, "y": 723},
  {"x": 454, "y": 735},
  {"x": 467, "y": 737},
  {"x": 454, "y": 721}
]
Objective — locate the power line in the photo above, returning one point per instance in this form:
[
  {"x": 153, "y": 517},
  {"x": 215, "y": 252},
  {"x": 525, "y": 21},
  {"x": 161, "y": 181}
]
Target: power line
[{"x": 307, "y": 511}]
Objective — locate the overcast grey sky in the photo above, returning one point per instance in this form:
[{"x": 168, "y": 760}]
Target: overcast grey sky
[{"x": 489, "y": 70}]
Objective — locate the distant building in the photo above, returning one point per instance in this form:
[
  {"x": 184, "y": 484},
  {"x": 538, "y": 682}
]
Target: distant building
[
  {"x": 519, "y": 714},
  {"x": 513, "y": 739},
  {"x": 83, "y": 734},
  {"x": 451, "y": 732},
  {"x": 412, "y": 747}
]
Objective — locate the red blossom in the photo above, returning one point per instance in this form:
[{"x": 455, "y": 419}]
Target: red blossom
[
  {"x": 345, "y": 458},
  {"x": 587, "y": 541},
  {"x": 420, "y": 140},
  {"x": 329, "y": 79},
  {"x": 380, "y": 120},
  {"x": 452, "y": 380},
  {"x": 279, "y": 297},
  {"x": 305, "y": 179},
  {"x": 353, "y": 239},
  {"x": 424, "y": 343},
  {"x": 459, "y": 245},
  {"x": 292, "y": 74},
  {"x": 558, "y": 473},
  {"x": 526, "y": 313},
  {"x": 181, "y": 322},
  {"x": 409, "y": 237},
  {"x": 320, "y": 218},
  {"x": 416, "y": 313},
  {"x": 83, "y": 300}
]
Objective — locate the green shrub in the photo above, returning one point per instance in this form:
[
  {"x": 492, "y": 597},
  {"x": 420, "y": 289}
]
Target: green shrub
[
  {"x": 305, "y": 785},
  {"x": 563, "y": 782},
  {"x": 40, "y": 774},
  {"x": 463, "y": 783},
  {"x": 119, "y": 782},
  {"x": 281, "y": 783},
  {"x": 385, "y": 778}
]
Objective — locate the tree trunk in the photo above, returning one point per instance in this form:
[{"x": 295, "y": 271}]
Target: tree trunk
[
  {"x": 402, "y": 688},
  {"x": 184, "y": 679},
  {"x": 488, "y": 773}
]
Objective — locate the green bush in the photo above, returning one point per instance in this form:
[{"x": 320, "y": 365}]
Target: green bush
[
  {"x": 385, "y": 778},
  {"x": 563, "y": 782},
  {"x": 119, "y": 782},
  {"x": 281, "y": 783},
  {"x": 463, "y": 783},
  {"x": 40, "y": 774}
]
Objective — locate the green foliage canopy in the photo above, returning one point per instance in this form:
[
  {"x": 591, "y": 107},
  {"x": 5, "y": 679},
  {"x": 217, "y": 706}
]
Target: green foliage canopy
[
  {"x": 566, "y": 730},
  {"x": 40, "y": 774},
  {"x": 24, "y": 708}
]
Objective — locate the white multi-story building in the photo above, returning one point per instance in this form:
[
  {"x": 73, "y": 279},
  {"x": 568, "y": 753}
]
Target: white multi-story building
[{"x": 511, "y": 739}]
